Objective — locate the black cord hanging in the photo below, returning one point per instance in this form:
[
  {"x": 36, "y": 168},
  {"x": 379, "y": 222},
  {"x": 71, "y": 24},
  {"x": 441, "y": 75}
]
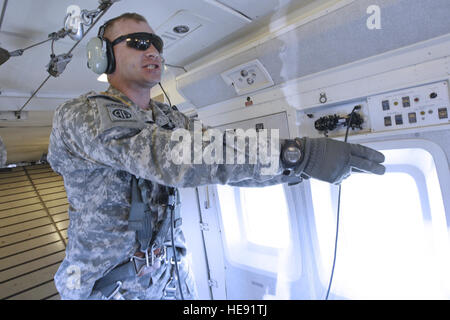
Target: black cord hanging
[{"x": 349, "y": 124}]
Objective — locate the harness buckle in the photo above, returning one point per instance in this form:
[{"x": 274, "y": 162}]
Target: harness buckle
[
  {"x": 147, "y": 262},
  {"x": 151, "y": 260},
  {"x": 116, "y": 294},
  {"x": 158, "y": 254},
  {"x": 170, "y": 290}
]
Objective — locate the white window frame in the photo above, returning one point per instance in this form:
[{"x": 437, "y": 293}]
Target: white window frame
[
  {"x": 443, "y": 176},
  {"x": 261, "y": 259}
]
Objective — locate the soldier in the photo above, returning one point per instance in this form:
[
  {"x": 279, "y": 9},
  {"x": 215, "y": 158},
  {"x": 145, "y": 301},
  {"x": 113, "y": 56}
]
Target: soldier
[{"x": 113, "y": 150}]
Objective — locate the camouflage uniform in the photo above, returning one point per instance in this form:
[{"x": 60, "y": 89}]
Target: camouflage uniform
[{"x": 97, "y": 143}]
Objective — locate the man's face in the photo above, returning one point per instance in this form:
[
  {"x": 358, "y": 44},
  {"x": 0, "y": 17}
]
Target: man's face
[{"x": 137, "y": 68}]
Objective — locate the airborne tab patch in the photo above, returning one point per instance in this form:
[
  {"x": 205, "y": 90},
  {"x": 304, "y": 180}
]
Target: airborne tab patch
[
  {"x": 116, "y": 116},
  {"x": 118, "y": 112}
]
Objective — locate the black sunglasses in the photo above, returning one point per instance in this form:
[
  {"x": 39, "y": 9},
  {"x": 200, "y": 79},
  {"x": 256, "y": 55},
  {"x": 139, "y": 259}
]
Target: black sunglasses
[{"x": 141, "y": 41}]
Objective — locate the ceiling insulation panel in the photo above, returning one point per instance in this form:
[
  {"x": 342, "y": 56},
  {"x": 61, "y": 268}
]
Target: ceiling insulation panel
[{"x": 337, "y": 38}]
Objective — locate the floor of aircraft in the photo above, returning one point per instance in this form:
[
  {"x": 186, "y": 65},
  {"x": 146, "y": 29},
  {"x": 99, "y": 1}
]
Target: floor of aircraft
[{"x": 33, "y": 232}]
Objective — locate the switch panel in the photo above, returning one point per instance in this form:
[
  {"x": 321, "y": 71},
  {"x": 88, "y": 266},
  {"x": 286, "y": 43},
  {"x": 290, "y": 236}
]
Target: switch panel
[
  {"x": 248, "y": 77},
  {"x": 426, "y": 105}
]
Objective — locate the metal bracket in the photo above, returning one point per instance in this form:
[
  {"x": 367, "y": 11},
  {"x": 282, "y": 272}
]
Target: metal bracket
[{"x": 58, "y": 64}]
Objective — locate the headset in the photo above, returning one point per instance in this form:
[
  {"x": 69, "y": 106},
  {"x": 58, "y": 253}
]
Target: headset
[{"x": 100, "y": 53}]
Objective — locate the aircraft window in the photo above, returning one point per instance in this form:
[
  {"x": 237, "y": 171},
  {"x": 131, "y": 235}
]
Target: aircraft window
[
  {"x": 230, "y": 219},
  {"x": 256, "y": 228},
  {"x": 393, "y": 237},
  {"x": 264, "y": 214}
]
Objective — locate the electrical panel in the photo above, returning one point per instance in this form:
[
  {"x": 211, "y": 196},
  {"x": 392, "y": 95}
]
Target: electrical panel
[
  {"x": 416, "y": 107},
  {"x": 421, "y": 106},
  {"x": 311, "y": 121}
]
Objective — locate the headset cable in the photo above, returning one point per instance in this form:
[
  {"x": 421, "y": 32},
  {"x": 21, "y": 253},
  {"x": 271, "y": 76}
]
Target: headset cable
[{"x": 339, "y": 209}]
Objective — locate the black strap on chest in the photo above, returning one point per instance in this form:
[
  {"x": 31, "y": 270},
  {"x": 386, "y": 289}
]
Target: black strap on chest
[
  {"x": 140, "y": 219},
  {"x": 140, "y": 216}
]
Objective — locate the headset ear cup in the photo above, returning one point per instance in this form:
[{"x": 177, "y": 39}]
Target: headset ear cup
[
  {"x": 96, "y": 56},
  {"x": 110, "y": 56}
]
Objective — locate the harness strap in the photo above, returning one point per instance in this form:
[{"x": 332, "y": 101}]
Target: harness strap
[
  {"x": 140, "y": 217},
  {"x": 129, "y": 270},
  {"x": 108, "y": 284},
  {"x": 173, "y": 203},
  {"x": 140, "y": 221}
]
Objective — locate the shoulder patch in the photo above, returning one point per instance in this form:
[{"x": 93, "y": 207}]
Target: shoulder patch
[
  {"x": 119, "y": 112},
  {"x": 115, "y": 115}
]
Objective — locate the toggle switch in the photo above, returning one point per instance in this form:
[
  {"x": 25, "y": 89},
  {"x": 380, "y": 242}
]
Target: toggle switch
[
  {"x": 443, "y": 114},
  {"x": 387, "y": 121}
]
